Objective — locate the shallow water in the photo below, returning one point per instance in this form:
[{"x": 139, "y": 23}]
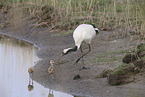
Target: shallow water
[{"x": 15, "y": 59}]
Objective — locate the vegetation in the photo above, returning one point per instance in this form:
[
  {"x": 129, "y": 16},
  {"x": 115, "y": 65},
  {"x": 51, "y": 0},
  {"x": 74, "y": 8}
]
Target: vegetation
[
  {"x": 127, "y": 16},
  {"x": 123, "y": 69},
  {"x": 108, "y": 57}
]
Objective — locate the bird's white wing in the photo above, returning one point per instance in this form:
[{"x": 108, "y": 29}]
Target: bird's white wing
[
  {"x": 84, "y": 32},
  {"x": 77, "y": 35}
]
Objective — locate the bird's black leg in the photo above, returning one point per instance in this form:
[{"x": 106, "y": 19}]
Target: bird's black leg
[{"x": 83, "y": 56}]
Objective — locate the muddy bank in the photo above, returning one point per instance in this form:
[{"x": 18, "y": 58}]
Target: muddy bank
[
  {"x": 105, "y": 49},
  {"x": 108, "y": 49}
]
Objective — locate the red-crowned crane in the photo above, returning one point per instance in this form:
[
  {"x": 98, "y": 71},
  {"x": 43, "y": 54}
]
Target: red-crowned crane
[{"x": 83, "y": 33}]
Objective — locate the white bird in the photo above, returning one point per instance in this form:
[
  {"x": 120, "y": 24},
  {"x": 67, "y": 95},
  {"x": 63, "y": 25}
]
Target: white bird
[{"x": 83, "y": 33}]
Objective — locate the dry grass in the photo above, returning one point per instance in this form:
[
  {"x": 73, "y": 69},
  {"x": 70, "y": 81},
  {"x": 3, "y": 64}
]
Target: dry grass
[{"x": 127, "y": 16}]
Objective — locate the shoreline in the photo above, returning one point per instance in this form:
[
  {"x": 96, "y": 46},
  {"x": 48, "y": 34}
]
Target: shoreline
[{"x": 50, "y": 48}]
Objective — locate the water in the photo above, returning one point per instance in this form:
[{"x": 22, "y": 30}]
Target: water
[{"x": 15, "y": 59}]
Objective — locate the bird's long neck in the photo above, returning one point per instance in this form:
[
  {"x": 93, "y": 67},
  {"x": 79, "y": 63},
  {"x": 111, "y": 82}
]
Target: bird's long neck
[
  {"x": 51, "y": 64},
  {"x": 72, "y": 49}
]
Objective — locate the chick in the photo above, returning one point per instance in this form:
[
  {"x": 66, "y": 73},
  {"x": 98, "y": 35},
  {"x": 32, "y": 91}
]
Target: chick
[{"x": 51, "y": 69}]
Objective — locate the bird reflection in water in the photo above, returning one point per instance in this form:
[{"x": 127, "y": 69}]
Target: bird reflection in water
[
  {"x": 30, "y": 85},
  {"x": 50, "y": 93}
]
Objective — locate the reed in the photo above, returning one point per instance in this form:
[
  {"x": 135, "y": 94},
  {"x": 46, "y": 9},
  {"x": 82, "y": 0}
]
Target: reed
[{"x": 128, "y": 16}]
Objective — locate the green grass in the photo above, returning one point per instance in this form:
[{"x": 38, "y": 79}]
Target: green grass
[
  {"x": 143, "y": 74},
  {"x": 143, "y": 58},
  {"x": 64, "y": 33},
  {"x": 109, "y": 56},
  {"x": 122, "y": 69}
]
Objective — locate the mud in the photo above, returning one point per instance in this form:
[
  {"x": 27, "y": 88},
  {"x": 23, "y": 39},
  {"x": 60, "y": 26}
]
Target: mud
[{"x": 50, "y": 46}]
